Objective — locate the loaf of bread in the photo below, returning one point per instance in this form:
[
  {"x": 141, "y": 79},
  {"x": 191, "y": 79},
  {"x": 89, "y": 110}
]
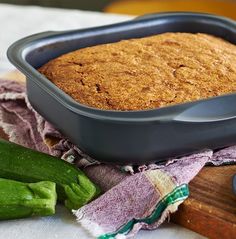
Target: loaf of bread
[{"x": 146, "y": 73}]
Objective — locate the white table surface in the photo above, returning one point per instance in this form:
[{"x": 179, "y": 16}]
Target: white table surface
[{"x": 15, "y": 23}]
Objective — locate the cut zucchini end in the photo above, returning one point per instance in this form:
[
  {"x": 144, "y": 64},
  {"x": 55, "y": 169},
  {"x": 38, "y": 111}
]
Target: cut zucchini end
[
  {"x": 19, "y": 200},
  {"x": 80, "y": 194}
]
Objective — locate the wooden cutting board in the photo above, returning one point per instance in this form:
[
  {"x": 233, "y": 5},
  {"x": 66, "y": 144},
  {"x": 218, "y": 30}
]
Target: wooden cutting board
[{"x": 211, "y": 208}]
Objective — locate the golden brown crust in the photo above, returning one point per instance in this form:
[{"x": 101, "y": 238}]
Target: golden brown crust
[{"x": 146, "y": 73}]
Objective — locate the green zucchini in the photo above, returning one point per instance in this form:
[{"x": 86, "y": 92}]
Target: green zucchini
[
  {"x": 26, "y": 165},
  {"x": 19, "y": 199}
]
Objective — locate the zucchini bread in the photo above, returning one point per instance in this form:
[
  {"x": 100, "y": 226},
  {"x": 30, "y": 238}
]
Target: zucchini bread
[{"x": 146, "y": 73}]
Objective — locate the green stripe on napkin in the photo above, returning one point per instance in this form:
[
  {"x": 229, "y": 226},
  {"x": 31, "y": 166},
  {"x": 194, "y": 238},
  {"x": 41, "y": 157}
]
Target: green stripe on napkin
[{"x": 180, "y": 193}]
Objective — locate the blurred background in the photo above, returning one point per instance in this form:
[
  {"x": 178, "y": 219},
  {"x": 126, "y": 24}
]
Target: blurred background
[{"x": 138, "y": 7}]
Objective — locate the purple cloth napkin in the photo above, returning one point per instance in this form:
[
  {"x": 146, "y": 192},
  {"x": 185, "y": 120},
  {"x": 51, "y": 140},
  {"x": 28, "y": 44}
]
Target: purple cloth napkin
[{"x": 131, "y": 201}]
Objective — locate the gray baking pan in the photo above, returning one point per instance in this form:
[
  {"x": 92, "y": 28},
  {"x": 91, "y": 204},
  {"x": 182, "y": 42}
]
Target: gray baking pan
[{"x": 134, "y": 137}]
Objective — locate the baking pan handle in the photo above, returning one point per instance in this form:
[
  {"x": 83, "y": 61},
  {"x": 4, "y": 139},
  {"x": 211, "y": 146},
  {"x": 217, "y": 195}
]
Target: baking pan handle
[
  {"x": 213, "y": 110},
  {"x": 158, "y": 14}
]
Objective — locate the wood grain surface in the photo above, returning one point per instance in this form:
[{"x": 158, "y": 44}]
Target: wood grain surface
[{"x": 211, "y": 208}]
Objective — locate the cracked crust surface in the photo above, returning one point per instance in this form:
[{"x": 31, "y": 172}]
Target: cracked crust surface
[{"x": 146, "y": 73}]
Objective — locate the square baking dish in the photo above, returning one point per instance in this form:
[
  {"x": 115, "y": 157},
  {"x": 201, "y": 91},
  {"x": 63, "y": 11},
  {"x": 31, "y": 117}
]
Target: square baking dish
[{"x": 135, "y": 137}]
